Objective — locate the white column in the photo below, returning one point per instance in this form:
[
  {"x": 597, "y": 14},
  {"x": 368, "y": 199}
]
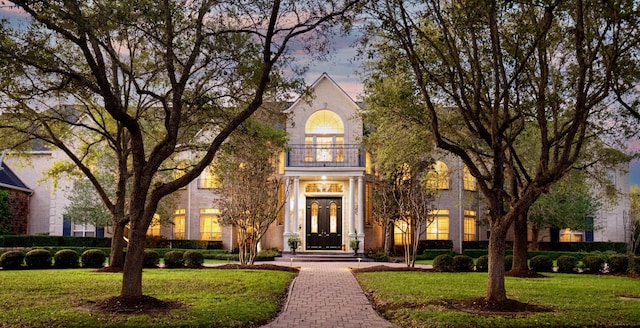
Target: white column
[
  {"x": 287, "y": 213},
  {"x": 352, "y": 232},
  {"x": 361, "y": 206},
  {"x": 296, "y": 188}
]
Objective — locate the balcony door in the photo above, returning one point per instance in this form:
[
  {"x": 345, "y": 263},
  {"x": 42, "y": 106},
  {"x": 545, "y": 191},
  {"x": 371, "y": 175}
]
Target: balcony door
[{"x": 324, "y": 223}]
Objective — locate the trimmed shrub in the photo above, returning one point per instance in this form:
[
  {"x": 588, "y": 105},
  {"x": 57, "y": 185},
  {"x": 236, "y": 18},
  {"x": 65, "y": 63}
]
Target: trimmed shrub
[
  {"x": 634, "y": 264},
  {"x": 378, "y": 255},
  {"x": 66, "y": 258},
  {"x": 462, "y": 263},
  {"x": 193, "y": 259},
  {"x": 151, "y": 259},
  {"x": 443, "y": 263},
  {"x": 38, "y": 258},
  {"x": 475, "y": 253},
  {"x": 12, "y": 260},
  {"x": 508, "y": 262},
  {"x": 541, "y": 263},
  {"x": 618, "y": 263},
  {"x": 93, "y": 258},
  {"x": 434, "y": 244},
  {"x": 593, "y": 263},
  {"x": 482, "y": 263},
  {"x": 174, "y": 259},
  {"x": 566, "y": 263}
]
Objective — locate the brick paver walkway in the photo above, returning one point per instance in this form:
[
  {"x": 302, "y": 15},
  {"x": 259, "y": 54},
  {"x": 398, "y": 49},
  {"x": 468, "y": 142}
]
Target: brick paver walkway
[{"x": 325, "y": 294}]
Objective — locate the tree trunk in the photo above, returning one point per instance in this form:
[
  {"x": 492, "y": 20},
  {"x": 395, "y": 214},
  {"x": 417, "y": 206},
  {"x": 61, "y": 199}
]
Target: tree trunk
[
  {"x": 388, "y": 237},
  {"x": 132, "y": 273},
  {"x": 496, "y": 291},
  {"x": 116, "y": 260},
  {"x": 520, "y": 253}
]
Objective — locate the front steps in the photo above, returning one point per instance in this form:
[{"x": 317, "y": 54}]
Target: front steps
[{"x": 323, "y": 257}]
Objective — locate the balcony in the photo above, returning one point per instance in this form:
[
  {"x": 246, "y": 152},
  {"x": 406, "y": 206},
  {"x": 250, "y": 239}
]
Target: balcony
[{"x": 319, "y": 155}]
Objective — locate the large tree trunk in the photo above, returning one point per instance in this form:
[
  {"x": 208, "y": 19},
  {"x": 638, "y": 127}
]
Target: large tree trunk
[
  {"x": 132, "y": 273},
  {"x": 520, "y": 254},
  {"x": 496, "y": 291},
  {"x": 116, "y": 259}
]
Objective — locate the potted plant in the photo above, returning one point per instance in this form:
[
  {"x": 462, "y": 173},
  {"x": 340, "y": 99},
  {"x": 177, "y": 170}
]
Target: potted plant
[
  {"x": 293, "y": 243},
  {"x": 355, "y": 245}
]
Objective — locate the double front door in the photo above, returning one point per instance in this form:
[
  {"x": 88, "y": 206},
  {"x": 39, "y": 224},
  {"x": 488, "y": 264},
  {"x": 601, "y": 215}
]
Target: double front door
[{"x": 324, "y": 223}]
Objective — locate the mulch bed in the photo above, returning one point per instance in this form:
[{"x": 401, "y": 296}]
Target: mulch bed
[
  {"x": 381, "y": 268},
  {"x": 257, "y": 267},
  {"x": 136, "y": 305}
]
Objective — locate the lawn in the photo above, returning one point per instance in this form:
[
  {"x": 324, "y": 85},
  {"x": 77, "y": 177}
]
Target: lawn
[
  {"x": 576, "y": 300},
  {"x": 211, "y": 297}
]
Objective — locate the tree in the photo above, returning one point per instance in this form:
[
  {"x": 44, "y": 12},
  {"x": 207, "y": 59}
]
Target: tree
[
  {"x": 252, "y": 192},
  {"x": 484, "y": 70},
  {"x": 634, "y": 219},
  {"x": 158, "y": 76}
]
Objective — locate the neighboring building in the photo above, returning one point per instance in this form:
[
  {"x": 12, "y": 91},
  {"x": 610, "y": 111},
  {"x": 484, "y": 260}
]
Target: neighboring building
[
  {"x": 19, "y": 195},
  {"x": 330, "y": 182}
]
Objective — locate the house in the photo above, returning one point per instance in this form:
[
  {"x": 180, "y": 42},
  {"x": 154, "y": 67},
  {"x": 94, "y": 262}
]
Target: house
[
  {"x": 329, "y": 179},
  {"x": 18, "y": 200}
]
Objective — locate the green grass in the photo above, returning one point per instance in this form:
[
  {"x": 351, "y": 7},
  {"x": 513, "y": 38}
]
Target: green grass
[
  {"x": 212, "y": 298},
  {"x": 577, "y": 300}
]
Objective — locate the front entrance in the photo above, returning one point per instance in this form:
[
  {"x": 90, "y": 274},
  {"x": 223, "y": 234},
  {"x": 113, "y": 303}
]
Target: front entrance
[{"x": 324, "y": 224}]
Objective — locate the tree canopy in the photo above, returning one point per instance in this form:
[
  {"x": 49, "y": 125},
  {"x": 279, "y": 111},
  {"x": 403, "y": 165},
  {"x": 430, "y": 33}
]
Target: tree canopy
[
  {"x": 488, "y": 71},
  {"x": 154, "y": 80}
]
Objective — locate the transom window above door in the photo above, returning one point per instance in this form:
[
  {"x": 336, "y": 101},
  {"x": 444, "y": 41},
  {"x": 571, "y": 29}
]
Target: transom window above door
[{"x": 324, "y": 122}]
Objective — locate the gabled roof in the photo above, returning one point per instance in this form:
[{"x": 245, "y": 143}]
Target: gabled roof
[
  {"x": 323, "y": 76},
  {"x": 10, "y": 180}
]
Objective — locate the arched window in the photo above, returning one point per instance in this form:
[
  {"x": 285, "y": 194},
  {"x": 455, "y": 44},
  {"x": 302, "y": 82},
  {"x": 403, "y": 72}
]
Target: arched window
[
  {"x": 438, "y": 176},
  {"x": 469, "y": 180},
  {"x": 324, "y": 137}
]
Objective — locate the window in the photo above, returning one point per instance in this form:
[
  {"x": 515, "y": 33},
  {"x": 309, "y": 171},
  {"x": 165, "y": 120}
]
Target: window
[
  {"x": 468, "y": 180},
  {"x": 567, "y": 235},
  {"x": 314, "y": 217},
  {"x": 154, "y": 227},
  {"x": 84, "y": 230},
  {"x": 368, "y": 169},
  {"x": 281, "y": 162},
  {"x": 333, "y": 218},
  {"x": 400, "y": 232},
  {"x": 208, "y": 179},
  {"x": 209, "y": 224},
  {"x": 281, "y": 195},
  {"x": 179, "y": 220},
  {"x": 439, "y": 228},
  {"x": 324, "y": 140},
  {"x": 324, "y": 122},
  {"x": 438, "y": 176},
  {"x": 367, "y": 201},
  {"x": 323, "y": 187},
  {"x": 469, "y": 225}
]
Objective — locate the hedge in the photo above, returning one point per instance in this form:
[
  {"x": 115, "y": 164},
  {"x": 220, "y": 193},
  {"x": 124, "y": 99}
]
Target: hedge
[
  {"x": 434, "y": 244},
  {"x": 590, "y": 246},
  {"x": 430, "y": 254}
]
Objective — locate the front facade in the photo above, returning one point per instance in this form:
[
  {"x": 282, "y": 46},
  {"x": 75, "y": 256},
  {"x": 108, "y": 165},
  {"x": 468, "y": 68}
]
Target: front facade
[{"x": 329, "y": 182}]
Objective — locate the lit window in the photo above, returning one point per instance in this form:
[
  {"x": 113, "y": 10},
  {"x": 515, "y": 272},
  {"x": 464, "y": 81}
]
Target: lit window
[
  {"x": 281, "y": 195},
  {"x": 324, "y": 122},
  {"x": 438, "y": 176},
  {"x": 400, "y": 233},
  {"x": 179, "y": 220},
  {"x": 469, "y": 225},
  {"x": 368, "y": 204},
  {"x": 154, "y": 227},
  {"x": 281, "y": 162},
  {"x": 439, "y": 228},
  {"x": 210, "y": 224},
  {"x": 567, "y": 235},
  {"x": 367, "y": 160},
  {"x": 208, "y": 179},
  {"x": 469, "y": 180}
]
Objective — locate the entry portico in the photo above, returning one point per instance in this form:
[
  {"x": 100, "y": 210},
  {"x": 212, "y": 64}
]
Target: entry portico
[{"x": 325, "y": 171}]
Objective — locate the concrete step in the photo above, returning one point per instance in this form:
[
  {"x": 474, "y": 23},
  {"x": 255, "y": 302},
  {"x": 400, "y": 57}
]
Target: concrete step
[{"x": 323, "y": 257}]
